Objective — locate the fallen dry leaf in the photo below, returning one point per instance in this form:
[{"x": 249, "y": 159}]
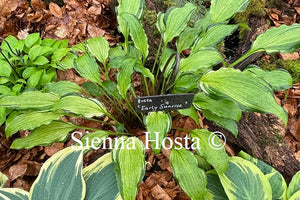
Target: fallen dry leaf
[
  {"x": 38, "y": 5},
  {"x": 55, "y": 10},
  {"x": 159, "y": 194},
  {"x": 290, "y": 56}
]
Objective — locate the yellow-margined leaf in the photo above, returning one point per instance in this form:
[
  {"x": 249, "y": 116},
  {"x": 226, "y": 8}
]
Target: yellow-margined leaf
[
  {"x": 99, "y": 47},
  {"x": 13, "y": 194}
]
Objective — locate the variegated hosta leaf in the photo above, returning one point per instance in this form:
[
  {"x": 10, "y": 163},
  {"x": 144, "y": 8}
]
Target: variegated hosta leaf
[
  {"x": 134, "y": 7},
  {"x": 100, "y": 179},
  {"x": 158, "y": 124},
  {"x": 276, "y": 180},
  {"x": 63, "y": 87},
  {"x": 160, "y": 24},
  {"x": 200, "y": 61},
  {"x": 88, "y": 68},
  {"x": 294, "y": 185},
  {"x": 81, "y": 106},
  {"x": 177, "y": 20},
  {"x": 129, "y": 159},
  {"x": 45, "y": 135},
  {"x": 30, "y": 100},
  {"x": 278, "y": 79},
  {"x": 214, "y": 187},
  {"x": 211, "y": 149},
  {"x": 13, "y": 194},
  {"x": 190, "y": 112},
  {"x": 2, "y": 115},
  {"x": 214, "y": 36},
  {"x": 295, "y": 196},
  {"x": 3, "y": 179},
  {"x": 29, "y": 121},
  {"x": 280, "y": 39},
  {"x": 99, "y": 47},
  {"x": 250, "y": 92},
  {"x": 137, "y": 33},
  {"x": 60, "y": 177},
  {"x": 244, "y": 179},
  {"x": 224, "y": 10},
  {"x": 189, "y": 176},
  {"x": 124, "y": 77},
  {"x": 187, "y": 38}
]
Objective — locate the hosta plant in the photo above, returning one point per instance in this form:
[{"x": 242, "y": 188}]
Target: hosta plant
[{"x": 221, "y": 94}]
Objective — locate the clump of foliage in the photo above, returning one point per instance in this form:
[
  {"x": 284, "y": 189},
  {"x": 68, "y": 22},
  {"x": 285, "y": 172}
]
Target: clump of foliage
[{"x": 221, "y": 96}]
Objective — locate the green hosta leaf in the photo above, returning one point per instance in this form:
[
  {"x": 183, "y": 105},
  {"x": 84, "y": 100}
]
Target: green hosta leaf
[
  {"x": 160, "y": 24},
  {"x": 276, "y": 180},
  {"x": 59, "y": 54},
  {"x": 99, "y": 47},
  {"x": 224, "y": 10},
  {"x": 116, "y": 52},
  {"x": 34, "y": 79},
  {"x": 200, "y": 61},
  {"x": 81, "y": 106},
  {"x": 2, "y": 115},
  {"x": 214, "y": 187},
  {"x": 100, "y": 178},
  {"x": 45, "y": 135},
  {"x": 278, "y": 79},
  {"x": 4, "y": 89},
  {"x": 295, "y": 196},
  {"x": 137, "y": 33},
  {"x": 223, "y": 107},
  {"x": 63, "y": 87},
  {"x": 38, "y": 50},
  {"x": 124, "y": 77},
  {"x": 3, "y": 179},
  {"x": 12, "y": 41},
  {"x": 41, "y": 60},
  {"x": 247, "y": 90},
  {"x": 211, "y": 149},
  {"x": 29, "y": 121},
  {"x": 214, "y": 36},
  {"x": 189, "y": 176},
  {"x": 68, "y": 61},
  {"x": 158, "y": 124},
  {"x": 186, "y": 82},
  {"x": 167, "y": 55},
  {"x": 47, "y": 76},
  {"x": 244, "y": 179},
  {"x": 187, "y": 38},
  {"x": 28, "y": 72},
  {"x": 190, "y": 112},
  {"x": 145, "y": 72},
  {"x": 135, "y": 7},
  {"x": 30, "y": 100},
  {"x": 88, "y": 68},
  {"x": 127, "y": 156},
  {"x": 5, "y": 69},
  {"x": 294, "y": 186},
  {"x": 177, "y": 20},
  {"x": 224, "y": 122},
  {"x": 92, "y": 89},
  {"x": 31, "y": 39},
  {"x": 282, "y": 39},
  {"x": 60, "y": 177},
  {"x": 13, "y": 194},
  {"x": 112, "y": 89}
]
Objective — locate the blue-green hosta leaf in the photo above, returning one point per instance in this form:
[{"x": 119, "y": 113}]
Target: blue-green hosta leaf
[
  {"x": 223, "y": 107},
  {"x": 214, "y": 36},
  {"x": 294, "y": 186},
  {"x": 190, "y": 112},
  {"x": 177, "y": 20},
  {"x": 45, "y": 135},
  {"x": 211, "y": 149},
  {"x": 13, "y": 194},
  {"x": 278, "y": 79},
  {"x": 200, "y": 61},
  {"x": 5, "y": 69},
  {"x": 134, "y": 7},
  {"x": 276, "y": 180},
  {"x": 214, "y": 187},
  {"x": 157, "y": 124},
  {"x": 100, "y": 178},
  {"x": 60, "y": 177},
  {"x": 244, "y": 179},
  {"x": 189, "y": 176},
  {"x": 129, "y": 155},
  {"x": 63, "y": 87},
  {"x": 224, "y": 10},
  {"x": 245, "y": 89},
  {"x": 88, "y": 68},
  {"x": 30, "y": 100},
  {"x": 295, "y": 196},
  {"x": 124, "y": 77},
  {"x": 280, "y": 39},
  {"x": 29, "y": 121},
  {"x": 3, "y": 179},
  {"x": 187, "y": 38},
  {"x": 137, "y": 33},
  {"x": 81, "y": 106},
  {"x": 99, "y": 47}
]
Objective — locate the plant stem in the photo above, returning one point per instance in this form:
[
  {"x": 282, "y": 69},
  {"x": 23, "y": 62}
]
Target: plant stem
[
  {"x": 157, "y": 54},
  {"x": 146, "y": 85},
  {"x": 241, "y": 59}
]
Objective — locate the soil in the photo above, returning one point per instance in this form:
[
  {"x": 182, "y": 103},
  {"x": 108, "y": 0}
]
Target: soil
[{"x": 262, "y": 136}]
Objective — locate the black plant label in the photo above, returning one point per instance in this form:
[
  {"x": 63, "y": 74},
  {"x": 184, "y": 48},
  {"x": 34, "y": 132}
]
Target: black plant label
[{"x": 163, "y": 102}]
